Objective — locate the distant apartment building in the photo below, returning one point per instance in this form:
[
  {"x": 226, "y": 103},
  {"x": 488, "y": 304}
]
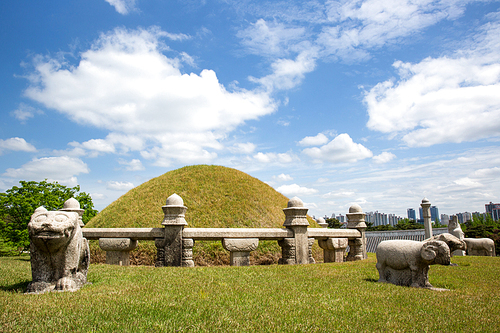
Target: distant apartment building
[
  {"x": 464, "y": 217},
  {"x": 493, "y": 210},
  {"x": 381, "y": 218},
  {"x": 445, "y": 219},
  {"x": 412, "y": 215}
]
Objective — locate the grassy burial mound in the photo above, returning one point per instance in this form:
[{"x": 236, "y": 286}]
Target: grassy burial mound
[{"x": 216, "y": 197}]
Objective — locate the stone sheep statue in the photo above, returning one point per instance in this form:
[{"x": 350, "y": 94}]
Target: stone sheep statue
[
  {"x": 59, "y": 253},
  {"x": 455, "y": 244},
  {"x": 455, "y": 229},
  {"x": 480, "y": 247},
  {"x": 406, "y": 262}
]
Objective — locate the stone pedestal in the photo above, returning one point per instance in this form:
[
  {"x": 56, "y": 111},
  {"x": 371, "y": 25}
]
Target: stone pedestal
[
  {"x": 296, "y": 220},
  {"x": 333, "y": 249},
  {"x": 117, "y": 250},
  {"x": 357, "y": 246},
  {"x": 240, "y": 249}
]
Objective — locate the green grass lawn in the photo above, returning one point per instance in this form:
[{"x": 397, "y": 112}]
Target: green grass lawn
[{"x": 308, "y": 298}]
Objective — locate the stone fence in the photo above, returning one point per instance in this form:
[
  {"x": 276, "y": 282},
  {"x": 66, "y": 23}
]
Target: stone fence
[
  {"x": 175, "y": 241},
  {"x": 373, "y": 238}
]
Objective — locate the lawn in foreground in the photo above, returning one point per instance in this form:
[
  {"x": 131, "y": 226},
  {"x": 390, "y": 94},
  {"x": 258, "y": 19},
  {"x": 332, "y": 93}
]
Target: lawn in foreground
[{"x": 306, "y": 298}]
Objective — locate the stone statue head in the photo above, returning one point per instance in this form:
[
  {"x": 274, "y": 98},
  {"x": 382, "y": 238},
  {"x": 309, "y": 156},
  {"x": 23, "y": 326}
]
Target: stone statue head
[{"x": 51, "y": 231}]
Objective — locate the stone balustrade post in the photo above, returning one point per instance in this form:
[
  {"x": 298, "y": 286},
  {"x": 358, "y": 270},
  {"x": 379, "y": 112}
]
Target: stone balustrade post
[
  {"x": 117, "y": 250},
  {"x": 240, "y": 249},
  {"x": 333, "y": 249},
  {"x": 169, "y": 248},
  {"x": 296, "y": 250},
  {"x": 426, "y": 212},
  {"x": 357, "y": 246},
  {"x": 72, "y": 205},
  {"x": 187, "y": 252}
]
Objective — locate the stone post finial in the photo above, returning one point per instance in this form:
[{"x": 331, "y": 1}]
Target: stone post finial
[
  {"x": 174, "y": 211},
  {"x": 356, "y": 220},
  {"x": 321, "y": 222},
  {"x": 72, "y": 205},
  {"x": 295, "y": 213},
  {"x": 426, "y": 211}
]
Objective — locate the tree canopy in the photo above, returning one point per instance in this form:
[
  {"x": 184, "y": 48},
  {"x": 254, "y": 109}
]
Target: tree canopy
[{"x": 17, "y": 205}]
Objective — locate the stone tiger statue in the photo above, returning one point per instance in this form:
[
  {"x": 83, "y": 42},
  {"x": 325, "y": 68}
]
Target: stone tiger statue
[{"x": 60, "y": 254}]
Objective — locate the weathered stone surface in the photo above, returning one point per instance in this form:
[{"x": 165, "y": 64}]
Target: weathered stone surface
[
  {"x": 480, "y": 247},
  {"x": 406, "y": 263},
  {"x": 240, "y": 249},
  {"x": 455, "y": 229},
  {"x": 240, "y": 244},
  {"x": 333, "y": 249},
  {"x": 187, "y": 252},
  {"x": 356, "y": 220},
  {"x": 59, "y": 254},
  {"x": 453, "y": 242},
  {"x": 117, "y": 250}
]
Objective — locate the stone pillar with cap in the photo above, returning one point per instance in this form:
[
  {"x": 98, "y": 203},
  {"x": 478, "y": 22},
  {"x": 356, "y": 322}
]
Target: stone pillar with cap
[
  {"x": 298, "y": 246},
  {"x": 72, "y": 205},
  {"x": 169, "y": 248},
  {"x": 426, "y": 212},
  {"x": 357, "y": 246}
]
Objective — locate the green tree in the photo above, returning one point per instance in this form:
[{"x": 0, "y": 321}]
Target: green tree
[
  {"x": 407, "y": 224},
  {"x": 483, "y": 227},
  {"x": 333, "y": 223},
  {"x": 18, "y": 204}
]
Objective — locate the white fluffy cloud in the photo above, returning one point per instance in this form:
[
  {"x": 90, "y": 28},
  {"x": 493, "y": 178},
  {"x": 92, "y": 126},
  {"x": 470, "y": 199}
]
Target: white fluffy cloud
[
  {"x": 16, "y": 144},
  {"x": 62, "y": 169},
  {"x": 126, "y": 85},
  {"x": 446, "y": 99},
  {"x": 317, "y": 140},
  {"x": 384, "y": 157},
  {"x": 119, "y": 186},
  {"x": 133, "y": 165},
  {"x": 122, "y": 6},
  {"x": 283, "y": 178},
  {"x": 295, "y": 189},
  {"x": 340, "y": 150},
  {"x": 273, "y": 157}
]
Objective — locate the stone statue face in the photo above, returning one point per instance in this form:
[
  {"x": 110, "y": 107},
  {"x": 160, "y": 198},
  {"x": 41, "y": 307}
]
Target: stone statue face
[{"x": 52, "y": 230}]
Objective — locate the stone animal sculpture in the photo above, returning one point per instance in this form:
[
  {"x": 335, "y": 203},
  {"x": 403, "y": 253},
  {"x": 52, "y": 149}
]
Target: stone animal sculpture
[
  {"x": 480, "y": 247},
  {"x": 59, "y": 253},
  {"x": 453, "y": 242},
  {"x": 455, "y": 229},
  {"x": 406, "y": 262}
]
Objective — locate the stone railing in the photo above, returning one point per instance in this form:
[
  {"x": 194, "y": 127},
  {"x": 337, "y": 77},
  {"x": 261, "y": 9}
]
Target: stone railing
[{"x": 175, "y": 241}]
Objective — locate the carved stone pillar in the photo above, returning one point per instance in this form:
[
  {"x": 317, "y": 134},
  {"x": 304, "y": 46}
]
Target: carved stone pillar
[
  {"x": 296, "y": 220},
  {"x": 426, "y": 212},
  {"x": 357, "y": 246},
  {"x": 169, "y": 249},
  {"x": 287, "y": 251},
  {"x": 187, "y": 252}
]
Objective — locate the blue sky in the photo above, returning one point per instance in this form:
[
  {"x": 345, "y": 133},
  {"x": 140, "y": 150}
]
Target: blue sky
[{"x": 379, "y": 103}]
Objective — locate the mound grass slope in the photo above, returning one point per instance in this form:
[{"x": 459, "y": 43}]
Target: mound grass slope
[{"x": 216, "y": 197}]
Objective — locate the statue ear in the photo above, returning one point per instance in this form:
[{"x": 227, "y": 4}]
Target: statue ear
[{"x": 428, "y": 251}]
